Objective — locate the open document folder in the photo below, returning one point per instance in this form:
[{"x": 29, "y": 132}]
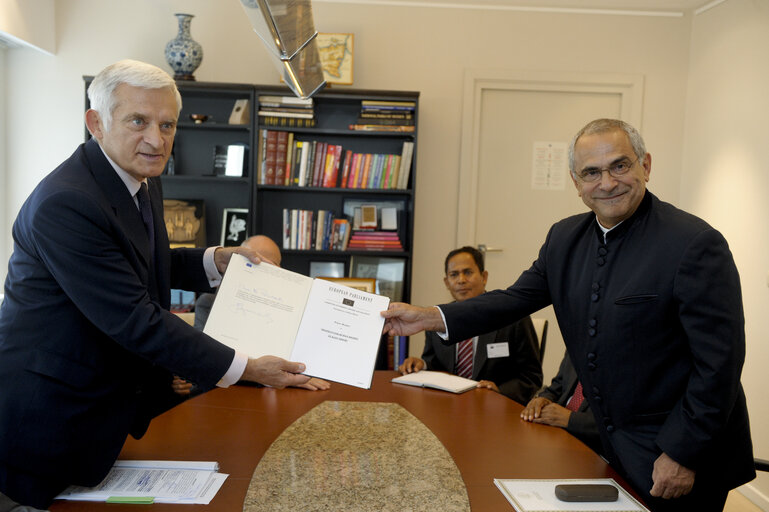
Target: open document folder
[
  {"x": 154, "y": 481},
  {"x": 261, "y": 309}
]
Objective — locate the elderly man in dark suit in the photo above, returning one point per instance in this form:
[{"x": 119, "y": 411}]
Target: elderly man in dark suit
[
  {"x": 505, "y": 360},
  {"x": 649, "y": 304},
  {"x": 86, "y": 337}
]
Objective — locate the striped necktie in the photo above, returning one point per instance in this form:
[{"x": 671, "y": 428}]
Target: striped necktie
[{"x": 465, "y": 359}]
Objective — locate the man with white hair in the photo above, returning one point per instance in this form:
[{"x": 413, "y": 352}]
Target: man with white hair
[{"x": 86, "y": 337}]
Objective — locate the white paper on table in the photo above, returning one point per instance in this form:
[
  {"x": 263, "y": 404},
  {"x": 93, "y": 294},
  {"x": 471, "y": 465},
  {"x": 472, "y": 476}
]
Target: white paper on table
[
  {"x": 528, "y": 495},
  {"x": 165, "y": 481}
]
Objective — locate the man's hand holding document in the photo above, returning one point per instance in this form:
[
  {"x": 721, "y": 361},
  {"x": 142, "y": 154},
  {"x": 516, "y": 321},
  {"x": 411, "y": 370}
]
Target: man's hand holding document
[{"x": 261, "y": 309}]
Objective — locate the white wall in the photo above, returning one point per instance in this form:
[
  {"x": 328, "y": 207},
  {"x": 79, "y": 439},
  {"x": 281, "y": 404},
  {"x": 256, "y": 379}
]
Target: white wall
[
  {"x": 725, "y": 178},
  {"x": 29, "y": 22}
]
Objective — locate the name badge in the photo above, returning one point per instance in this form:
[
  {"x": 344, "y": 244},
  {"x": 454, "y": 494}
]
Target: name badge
[{"x": 497, "y": 350}]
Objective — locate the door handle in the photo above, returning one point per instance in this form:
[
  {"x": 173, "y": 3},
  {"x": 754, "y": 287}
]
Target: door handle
[{"x": 485, "y": 248}]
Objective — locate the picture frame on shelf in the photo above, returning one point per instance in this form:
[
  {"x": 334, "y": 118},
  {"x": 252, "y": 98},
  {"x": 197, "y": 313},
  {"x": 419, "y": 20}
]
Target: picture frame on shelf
[
  {"x": 185, "y": 221},
  {"x": 333, "y": 269},
  {"x": 230, "y": 160},
  {"x": 336, "y": 57},
  {"x": 358, "y": 283},
  {"x": 388, "y": 272},
  {"x": 234, "y": 226}
]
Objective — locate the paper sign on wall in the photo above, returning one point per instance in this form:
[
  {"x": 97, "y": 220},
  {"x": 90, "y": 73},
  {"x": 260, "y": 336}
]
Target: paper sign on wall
[{"x": 549, "y": 166}]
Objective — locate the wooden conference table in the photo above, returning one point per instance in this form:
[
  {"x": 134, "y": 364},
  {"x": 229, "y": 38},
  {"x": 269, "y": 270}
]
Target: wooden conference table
[{"x": 481, "y": 430}]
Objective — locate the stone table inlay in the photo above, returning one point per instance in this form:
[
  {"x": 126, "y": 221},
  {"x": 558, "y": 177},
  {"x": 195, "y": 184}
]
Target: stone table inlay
[{"x": 357, "y": 456}]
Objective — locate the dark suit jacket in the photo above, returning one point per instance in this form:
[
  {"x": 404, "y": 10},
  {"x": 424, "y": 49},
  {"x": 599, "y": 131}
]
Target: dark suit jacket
[
  {"x": 581, "y": 422},
  {"x": 85, "y": 334},
  {"x": 518, "y": 376},
  {"x": 653, "y": 322}
]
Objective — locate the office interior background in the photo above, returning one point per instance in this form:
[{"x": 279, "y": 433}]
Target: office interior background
[{"x": 703, "y": 67}]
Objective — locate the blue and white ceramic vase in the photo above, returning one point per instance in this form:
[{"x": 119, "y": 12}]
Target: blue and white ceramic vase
[{"x": 183, "y": 53}]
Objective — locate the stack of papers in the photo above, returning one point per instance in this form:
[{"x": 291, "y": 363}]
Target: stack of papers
[
  {"x": 437, "y": 380},
  {"x": 154, "y": 481},
  {"x": 527, "y": 495}
]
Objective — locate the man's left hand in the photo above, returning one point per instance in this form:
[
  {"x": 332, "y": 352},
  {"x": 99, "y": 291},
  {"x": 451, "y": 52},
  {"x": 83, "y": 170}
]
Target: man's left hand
[
  {"x": 488, "y": 385},
  {"x": 222, "y": 256},
  {"x": 671, "y": 479}
]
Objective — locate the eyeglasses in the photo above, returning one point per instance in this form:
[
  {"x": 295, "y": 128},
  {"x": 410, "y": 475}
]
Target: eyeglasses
[{"x": 617, "y": 169}]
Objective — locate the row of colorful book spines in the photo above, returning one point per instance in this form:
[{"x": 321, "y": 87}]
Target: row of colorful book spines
[
  {"x": 360, "y": 170},
  {"x": 307, "y": 229},
  {"x": 371, "y": 171}
]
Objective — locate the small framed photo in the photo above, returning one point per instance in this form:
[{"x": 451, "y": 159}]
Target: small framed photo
[
  {"x": 388, "y": 273},
  {"x": 234, "y": 226},
  {"x": 359, "y": 283},
  {"x": 327, "y": 269},
  {"x": 336, "y": 52}
]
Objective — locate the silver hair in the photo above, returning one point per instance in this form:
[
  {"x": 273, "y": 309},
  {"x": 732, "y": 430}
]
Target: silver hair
[
  {"x": 608, "y": 125},
  {"x": 130, "y": 72}
]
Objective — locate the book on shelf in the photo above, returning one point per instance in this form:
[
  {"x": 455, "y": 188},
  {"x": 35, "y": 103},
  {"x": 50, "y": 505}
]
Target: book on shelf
[
  {"x": 319, "y": 230},
  {"x": 407, "y": 155},
  {"x": 375, "y": 240},
  {"x": 281, "y": 149},
  {"x": 346, "y": 169},
  {"x": 287, "y": 122},
  {"x": 381, "y": 128},
  {"x": 270, "y": 157},
  {"x": 278, "y": 100},
  {"x": 286, "y": 114},
  {"x": 385, "y": 114},
  {"x": 396, "y": 351},
  {"x": 331, "y": 169},
  {"x": 333, "y": 329},
  {"x": 437, "y": 380},
  {"x": 406, "y": 105},
  {"x": 398, "y": 121}
]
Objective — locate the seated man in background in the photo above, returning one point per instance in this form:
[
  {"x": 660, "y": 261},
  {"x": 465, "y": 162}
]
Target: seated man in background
[
  {"x": 562, "y": 404},
  {"x": 506, "y": 360},
  {"x": 270, "y": 252}
]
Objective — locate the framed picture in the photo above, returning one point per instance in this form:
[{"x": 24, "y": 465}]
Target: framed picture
[
  {"x": 185, "y": 221},
  {"x": 388, "y": 273},
  {"x": 326, "y": 269},
  {"x": 336, "y": 52},
  {"x": 234, "y": 226},
  {"x": 359, "y": 283}
]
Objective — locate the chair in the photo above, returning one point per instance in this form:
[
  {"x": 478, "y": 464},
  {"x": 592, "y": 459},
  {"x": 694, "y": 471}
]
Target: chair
[{"x": 540, "y": 327}]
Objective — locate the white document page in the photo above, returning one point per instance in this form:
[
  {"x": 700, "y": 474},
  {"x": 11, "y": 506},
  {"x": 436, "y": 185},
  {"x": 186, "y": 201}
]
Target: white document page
[
  {"x": 258, "y": 308},
  {"x": 339, "y": 335},
  {"x": 165, "y": 481},
  {"x": 527, "y": 495}
]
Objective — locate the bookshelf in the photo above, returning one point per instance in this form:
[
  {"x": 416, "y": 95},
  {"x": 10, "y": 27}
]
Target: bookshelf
[{"x": 335, "y": 111}]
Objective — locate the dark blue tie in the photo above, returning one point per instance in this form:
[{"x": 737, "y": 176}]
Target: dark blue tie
[{"x": 145, "y": 208}]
